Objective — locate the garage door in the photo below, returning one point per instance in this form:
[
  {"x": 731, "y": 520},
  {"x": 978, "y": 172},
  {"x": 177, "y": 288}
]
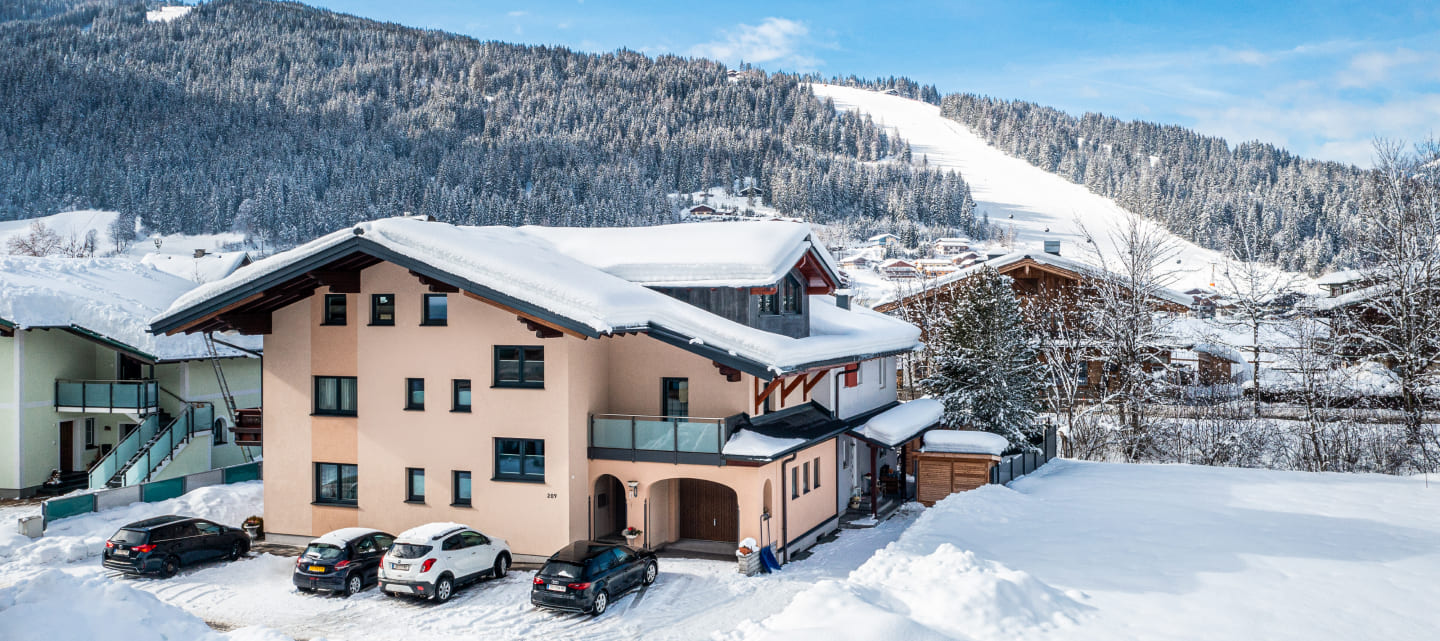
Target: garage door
[{"x": 708, "y": 511}]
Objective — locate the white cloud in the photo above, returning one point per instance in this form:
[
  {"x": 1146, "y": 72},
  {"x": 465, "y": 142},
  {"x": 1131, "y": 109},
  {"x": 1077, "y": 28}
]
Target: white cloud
[
  {"x": 1371, "y": 68},
  {"x": 778, "y": 41},
  {"x": 518, "y": 14}
]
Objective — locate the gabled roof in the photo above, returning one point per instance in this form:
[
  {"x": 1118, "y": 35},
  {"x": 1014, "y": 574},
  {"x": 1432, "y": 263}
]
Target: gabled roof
[
  {"x": 531, "y": 271},
  {"x": 202, "y": 269}
]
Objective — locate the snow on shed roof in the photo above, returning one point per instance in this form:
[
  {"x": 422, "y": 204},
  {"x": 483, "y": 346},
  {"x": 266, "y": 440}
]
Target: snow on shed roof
[
  {"x": 111, "y": 297},
  {"x": 1042, "y": 258},
  {"x": 719, "y": 254},
  {"x": 902, "y": 422},
  {"x": 1343, "y": 276},
  {"x": 965, "y": 442},
  {"x": 524, "y": 266},
  {"x": 208, "y": 268}
]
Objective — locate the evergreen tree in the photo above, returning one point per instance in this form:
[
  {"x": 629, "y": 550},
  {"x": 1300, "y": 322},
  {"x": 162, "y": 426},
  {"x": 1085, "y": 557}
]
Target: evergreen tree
[{"x": 986, "y": 368}]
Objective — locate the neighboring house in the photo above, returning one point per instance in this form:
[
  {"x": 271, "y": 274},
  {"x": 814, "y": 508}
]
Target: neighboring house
[
  {"x": 201, "y": 267},
  {"x": 751, "y": 191},
  {"x": 1345, "y": 281},
  {"x": 84, "y": 387},
  {"x": 884, "y": 240},
  {"x": 549, "y": 385},
  {"x": 899, "y": 269},
  {"x": 936, "y": 266},
  {"x": 951, "y": 246},
  {"x": 702, "y": 210}
]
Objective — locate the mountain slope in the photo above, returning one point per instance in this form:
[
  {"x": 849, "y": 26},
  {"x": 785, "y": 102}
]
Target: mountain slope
[{"x": 1016, "y": 195}]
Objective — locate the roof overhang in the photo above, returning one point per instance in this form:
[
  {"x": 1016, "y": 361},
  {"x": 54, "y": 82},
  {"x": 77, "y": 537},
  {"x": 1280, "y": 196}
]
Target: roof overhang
[{"x": 7, "y": 328}]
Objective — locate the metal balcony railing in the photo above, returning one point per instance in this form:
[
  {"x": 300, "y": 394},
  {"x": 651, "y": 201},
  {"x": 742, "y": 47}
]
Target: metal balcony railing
[
  {"x": 663, "y": 439},
  {"x": 141, "y": 396}
]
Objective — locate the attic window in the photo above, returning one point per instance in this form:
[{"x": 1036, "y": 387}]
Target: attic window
[{"x": 790, "y": 301}]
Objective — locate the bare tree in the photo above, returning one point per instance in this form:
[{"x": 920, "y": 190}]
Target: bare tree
[
  {"x": 41, "y": 241},
  {"x": 1252, "y": 288},
  {"x": 1314, "y": 374}
]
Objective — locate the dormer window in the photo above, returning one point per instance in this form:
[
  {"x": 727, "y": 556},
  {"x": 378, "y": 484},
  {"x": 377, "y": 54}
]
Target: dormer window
[{"x": 790, "y": 292}]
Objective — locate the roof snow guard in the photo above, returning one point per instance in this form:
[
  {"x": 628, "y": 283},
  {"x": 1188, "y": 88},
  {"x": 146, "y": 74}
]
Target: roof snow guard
[{"x": 585, "y": 282}]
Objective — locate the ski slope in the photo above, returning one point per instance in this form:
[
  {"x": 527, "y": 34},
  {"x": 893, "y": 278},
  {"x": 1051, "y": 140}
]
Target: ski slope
[{"x": 1038, "y": 205}]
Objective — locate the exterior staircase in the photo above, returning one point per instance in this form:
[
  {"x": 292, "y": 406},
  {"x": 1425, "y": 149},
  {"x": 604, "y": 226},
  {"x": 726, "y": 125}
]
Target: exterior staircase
[{"x": 143, "y": 451}]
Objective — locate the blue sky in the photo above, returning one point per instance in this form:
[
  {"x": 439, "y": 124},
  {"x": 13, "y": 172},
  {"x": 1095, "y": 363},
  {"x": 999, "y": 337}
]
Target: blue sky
[{"x": 1322, "y": 79}]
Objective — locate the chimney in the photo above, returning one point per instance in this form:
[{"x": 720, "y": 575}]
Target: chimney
[
  {"x": 199, "y": 253},
  {"x": 1052, "y": 247}
]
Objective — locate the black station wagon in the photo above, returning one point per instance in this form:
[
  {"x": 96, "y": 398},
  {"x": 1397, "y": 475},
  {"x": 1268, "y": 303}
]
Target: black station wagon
[{"x": 165, "y": 543}]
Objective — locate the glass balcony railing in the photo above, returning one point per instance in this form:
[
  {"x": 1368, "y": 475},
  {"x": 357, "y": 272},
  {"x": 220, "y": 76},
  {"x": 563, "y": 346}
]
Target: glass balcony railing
[
  {"x": 86, "y": 396},
  {"x": 658, "y": 438}
]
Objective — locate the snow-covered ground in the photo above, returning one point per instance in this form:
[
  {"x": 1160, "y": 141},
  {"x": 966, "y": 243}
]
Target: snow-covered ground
[
  {"x": 166, "y": 14},
  {"x": 74, "y": 224},
  {"x": 1014, "y": 192}
]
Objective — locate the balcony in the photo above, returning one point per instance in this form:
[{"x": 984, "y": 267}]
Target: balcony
[
  {"x": 109, "y": 397},
  {"x": 659, "y": 439},
  {"x": 249, "y": 427}
]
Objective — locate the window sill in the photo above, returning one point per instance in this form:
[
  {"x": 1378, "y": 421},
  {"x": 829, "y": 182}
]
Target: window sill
[
  {"x": 466, "y": 505},
  {"x": 353, "y": 506},
  {"x": 415, "y": 501},
  {"x": 333, "y": 324},
  {"x": 433, "y": 324},
  {"x": 330, "y": 415},
  {"x": 517, "y": 386},
  {"x": 414, "y": 409},
  {"x": 514, "y": 479},
  {"x": 380, "y": 324},
  {"x": 460, "y": 411}
]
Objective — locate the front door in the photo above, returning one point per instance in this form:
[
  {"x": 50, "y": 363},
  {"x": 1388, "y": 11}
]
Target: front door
[
  {"x": 708, "y": 511},
  {"x": 67, "y": 446}
]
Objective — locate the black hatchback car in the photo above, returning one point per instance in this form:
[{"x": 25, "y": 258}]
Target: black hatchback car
[
  {"x": 345, "y": 561},
  {"x": 162, "y": 544},
  {"x": 588, "y": 575}
]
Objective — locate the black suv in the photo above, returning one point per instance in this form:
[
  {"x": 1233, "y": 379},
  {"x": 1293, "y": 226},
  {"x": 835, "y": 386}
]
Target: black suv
[
  {"x": 162, "y": 544},
  {"x": 587, "y": 575},
  {"x": 344, "y": 561}
]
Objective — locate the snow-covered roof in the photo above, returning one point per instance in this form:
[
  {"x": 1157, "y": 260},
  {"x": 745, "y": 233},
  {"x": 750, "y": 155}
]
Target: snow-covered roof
[
  {"x": 344, "y": 535},
  {"x": 1043, "y": 258},
  {"x": 1343, "y": 276},
  {"x": 525, "y": 267},
  {"x": 719, "y": 254},
  {"x": 965, "y": 442},
  {"x": 902, "y": 422},
  {"x": 751, "y": 444},
  {"x": 423, "y": 534},
  {"x": 204, "y": 269},
  {"x": 1350, "y": 298},
  {"x": 111, "y": 297}
]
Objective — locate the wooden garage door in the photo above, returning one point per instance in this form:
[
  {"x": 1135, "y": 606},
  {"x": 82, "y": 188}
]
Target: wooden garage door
[{"x": 708, "y": 511}]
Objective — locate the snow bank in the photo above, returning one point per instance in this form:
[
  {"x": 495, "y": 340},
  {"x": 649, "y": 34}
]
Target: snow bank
[
  {"x": 522, "y": 264},
  {"x": 923, "y": 587},
  {"x": 55, "y": 606},
  {"x": 903, "y": 421},
  {"x": 965, "y": 442},
  {"x": 82, "y": 537},
  {"x": 114, "y": 297}
]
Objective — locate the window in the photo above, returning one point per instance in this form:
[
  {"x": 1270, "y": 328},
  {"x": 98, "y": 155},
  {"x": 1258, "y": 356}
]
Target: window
[
  {"x": 384, "y": 541},
  {"x": 336, "y": 483},
  {"x": 414, "y": 393},
  {"x": 1082, "y": 373},
  {"x": 675, "y": 397},
  {"x": 335, "y": 395},
  {"x": 365, "y": 546},
  {"x": 794, "y": 482},
  {"x": 455, "y": 542},
  {"x": 219, "y": 432},
  {"x": 436, "y": 310},
  {"x": 382, "y": 309},
  {"x": 89, "y": 433},
  {"x": 517, "y": 366},
  {"x": 473, "y": 539},
  {"x": 885, "y": 372},
  {"x": 334, "y": 309},
  {"x": 816, "y": 470},
  {"x": 519, "y": 459},
  {"x": 791, "y": 293},
  {"x": 414, "y": 485},
  {"x": 769, "y": 304},
  {"x": 461, "y": 401},
  {"x": 807, "y": 477},
  {"x": 461, "y": 487},
  {"x": 206, "y": 528}
]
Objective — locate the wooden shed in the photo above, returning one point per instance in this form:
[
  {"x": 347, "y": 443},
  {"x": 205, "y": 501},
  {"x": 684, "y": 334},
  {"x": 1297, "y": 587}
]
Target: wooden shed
[{"x": 954, "y": 461}]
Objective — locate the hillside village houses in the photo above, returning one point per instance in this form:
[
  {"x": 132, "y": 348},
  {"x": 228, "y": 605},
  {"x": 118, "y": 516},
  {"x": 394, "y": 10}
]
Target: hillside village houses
[
  {"x": 85, "y": 389},
  {"x": 699, "y": 384}
]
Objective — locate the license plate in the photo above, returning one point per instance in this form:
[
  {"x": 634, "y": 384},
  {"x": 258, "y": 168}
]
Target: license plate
[
  {"x": 317, "y": 569},
  {"x": 399, "y": 566},
  {"x": 555, "y": 588},
  {"x": 122, "y": 552},
  {"x": 399, "y": 588}
]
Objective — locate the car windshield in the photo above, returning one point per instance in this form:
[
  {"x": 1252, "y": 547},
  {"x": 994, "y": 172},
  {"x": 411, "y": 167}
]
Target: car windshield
[
  {"x": 130, "y": 537},
  {"x": 562, "y": 570},
  {"x": 323, "y": 552},
  {"x": 409, "y": 551}
]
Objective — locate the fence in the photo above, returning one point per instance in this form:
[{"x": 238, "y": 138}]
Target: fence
[
  {"x": 1015, "y": 466},
  {"x": 60, "y": 508}
]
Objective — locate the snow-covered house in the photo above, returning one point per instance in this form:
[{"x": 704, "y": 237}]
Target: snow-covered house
[
  {"x": 936, "y": 266},
  {"x": 201, "y": 267},
  {"x": 899, "y": 269},
  {"x": 702, "y": 210},
  {"x": 1339, "y": 283},
  {"x": 84, "y": 387},
  {"x": 951, "y": 246},
  {"x": 883, "y": 240},
  {"x": 690, "y": 381}
]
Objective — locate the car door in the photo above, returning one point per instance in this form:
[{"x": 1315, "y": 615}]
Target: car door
[
  {"x": 456, "y": 556},
  {"x": 382, "y": 546},
  {"x": 183, "y": 539},
  {"x": 625, "y": 564},
  {"x": 210, "y": 540},
  {"x": 366, "y": 556},
  {"x": 477, "y": 547}
]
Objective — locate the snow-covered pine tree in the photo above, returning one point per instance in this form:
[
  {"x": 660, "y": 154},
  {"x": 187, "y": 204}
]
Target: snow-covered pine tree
[{"x": 986, "y": 369}]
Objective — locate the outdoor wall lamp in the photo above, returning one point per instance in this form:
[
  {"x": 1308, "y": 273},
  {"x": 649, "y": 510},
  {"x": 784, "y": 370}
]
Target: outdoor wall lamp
[{"x": 634, "y": 488}]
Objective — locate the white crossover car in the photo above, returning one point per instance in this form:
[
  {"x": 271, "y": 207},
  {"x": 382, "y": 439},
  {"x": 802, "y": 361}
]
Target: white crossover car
[{"x": 432, "y": 560}]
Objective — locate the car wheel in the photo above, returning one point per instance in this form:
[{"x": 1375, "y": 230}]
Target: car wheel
[
  {"x": 444, "y": 588},
  {"x": 502, "y": 565},
  {"x": 354, "y": 584},
  {"x": 169, "y": 567},
  {"x": 602, "y": 603},
  {"x": 235, "y": 551},
  {"x": 305, "y": 590},
  {"x": 651, "y": 571}
]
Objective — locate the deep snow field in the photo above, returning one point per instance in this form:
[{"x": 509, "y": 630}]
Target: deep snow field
[{"x": 1075, "y": 551}]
